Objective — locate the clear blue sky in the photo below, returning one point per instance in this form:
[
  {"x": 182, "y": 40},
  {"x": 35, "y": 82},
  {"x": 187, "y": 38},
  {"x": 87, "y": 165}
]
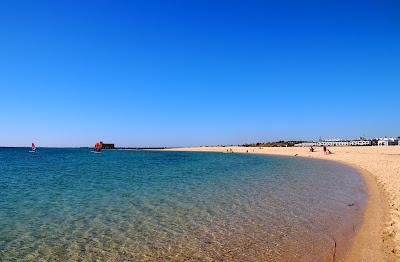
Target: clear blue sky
[{"x": 178, "y": 73}]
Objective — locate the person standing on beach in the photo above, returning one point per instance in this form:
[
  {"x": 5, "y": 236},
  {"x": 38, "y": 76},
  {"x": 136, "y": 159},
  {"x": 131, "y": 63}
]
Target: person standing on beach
[{"x": 324, "y": 150}]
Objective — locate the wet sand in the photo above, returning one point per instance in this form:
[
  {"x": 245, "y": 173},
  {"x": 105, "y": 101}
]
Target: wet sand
[{"x": 377, "y": 238}]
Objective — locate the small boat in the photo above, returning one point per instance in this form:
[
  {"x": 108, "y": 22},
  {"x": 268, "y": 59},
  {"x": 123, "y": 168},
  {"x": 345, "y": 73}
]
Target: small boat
[{"x": 33, "y": 148}]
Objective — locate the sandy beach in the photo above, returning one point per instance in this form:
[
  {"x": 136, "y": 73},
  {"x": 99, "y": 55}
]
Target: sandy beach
[{"x": 377, "y": 238}]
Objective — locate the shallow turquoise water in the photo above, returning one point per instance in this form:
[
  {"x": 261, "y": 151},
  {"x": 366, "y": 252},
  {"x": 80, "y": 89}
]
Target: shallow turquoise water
[{"x": 71, "y": 204}]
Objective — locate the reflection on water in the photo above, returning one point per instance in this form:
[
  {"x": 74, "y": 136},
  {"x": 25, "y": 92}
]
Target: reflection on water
[{"x": 70, "y": 204}]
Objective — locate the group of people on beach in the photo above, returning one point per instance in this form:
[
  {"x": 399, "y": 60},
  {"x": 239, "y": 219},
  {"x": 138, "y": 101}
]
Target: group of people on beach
[{"x": 325, "y": 149}]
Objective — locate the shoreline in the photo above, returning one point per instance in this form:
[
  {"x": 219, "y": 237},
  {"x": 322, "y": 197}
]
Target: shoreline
[
  {"x": 375, "y": 239},
  {"x": 366, "y": 245}
]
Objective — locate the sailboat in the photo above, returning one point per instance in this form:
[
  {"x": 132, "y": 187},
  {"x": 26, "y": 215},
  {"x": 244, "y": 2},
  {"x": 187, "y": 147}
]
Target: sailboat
[
  {"x": 33, "y": 148},
  {"x": 97, "y": 148}
]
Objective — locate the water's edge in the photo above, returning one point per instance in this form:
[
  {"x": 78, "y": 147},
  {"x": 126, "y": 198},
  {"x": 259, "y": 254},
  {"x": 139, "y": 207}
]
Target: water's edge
[
  {"x": 374, "y": 214},
  {"x": 368, "y": 233}
]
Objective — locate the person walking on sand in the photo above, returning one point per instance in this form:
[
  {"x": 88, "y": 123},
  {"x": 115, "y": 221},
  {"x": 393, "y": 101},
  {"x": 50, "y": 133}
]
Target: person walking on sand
[{"x": 324, "y": 150}]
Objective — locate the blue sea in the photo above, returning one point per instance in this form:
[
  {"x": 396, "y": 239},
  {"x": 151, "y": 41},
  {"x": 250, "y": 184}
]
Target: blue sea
[{"x": 120, "y": 205}]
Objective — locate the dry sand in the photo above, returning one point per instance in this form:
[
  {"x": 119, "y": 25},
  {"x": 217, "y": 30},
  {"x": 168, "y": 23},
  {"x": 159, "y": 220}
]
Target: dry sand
[{"x": 378, "y": 238}]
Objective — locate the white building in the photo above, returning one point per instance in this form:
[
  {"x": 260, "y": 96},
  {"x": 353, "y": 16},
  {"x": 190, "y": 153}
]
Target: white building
[
  {"x": 388, "y": 141},
  {"x": 306, "y": 144},
  {"x": 361, "y": 142},
  {"x": 334, "y": 142}
]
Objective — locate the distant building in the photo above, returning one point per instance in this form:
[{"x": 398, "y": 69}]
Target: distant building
[
  {"x": 331, "y": 142},
  {"x": 361, "y": 142},
  {"x": 306, "y": 144},
  {"x": 106, "y": 146},
  {"x": 388, "y": 141},
  {"x": 334, "y": 142}
]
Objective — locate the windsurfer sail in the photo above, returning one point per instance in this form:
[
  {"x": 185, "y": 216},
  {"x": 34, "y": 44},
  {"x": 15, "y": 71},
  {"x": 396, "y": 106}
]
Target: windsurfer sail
[
  {"x": 97, "y": 147},
  {"x": 33, "y": 148}
]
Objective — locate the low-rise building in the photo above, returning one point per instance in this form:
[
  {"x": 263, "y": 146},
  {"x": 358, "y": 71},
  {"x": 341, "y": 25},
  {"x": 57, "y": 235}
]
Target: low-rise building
[
  {"x": 361, "y": 142},
  {"x": 388, "y": 141},
  {"x": 306, "y": 144},
  {"x": 106, "y": 145},
  {"x": 334, "y": 142},
  {"x": 356, "y": 142}
]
